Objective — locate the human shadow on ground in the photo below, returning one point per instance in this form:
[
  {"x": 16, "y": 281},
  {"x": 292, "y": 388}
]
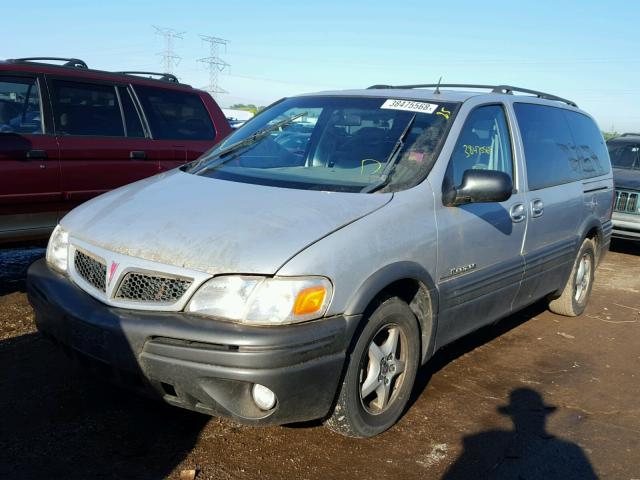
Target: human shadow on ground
[{"x": 526, "y": 452}]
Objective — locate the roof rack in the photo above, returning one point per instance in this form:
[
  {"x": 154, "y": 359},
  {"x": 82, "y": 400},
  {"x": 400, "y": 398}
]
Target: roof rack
[
  {"x": 69, "y": 62},
  {"x": 167, "y": 77},
  {"x": 504, "y": 89}
]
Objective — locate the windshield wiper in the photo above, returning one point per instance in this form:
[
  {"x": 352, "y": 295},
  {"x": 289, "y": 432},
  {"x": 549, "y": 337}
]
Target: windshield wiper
[
  {"x": 245, "y": 142},
  {"x": 391, "y": 159}
]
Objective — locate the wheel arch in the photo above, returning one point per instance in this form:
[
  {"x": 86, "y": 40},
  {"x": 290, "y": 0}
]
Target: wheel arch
[
  {"x": 412, "y": 283},
  {"x": 592, "y": 228}
]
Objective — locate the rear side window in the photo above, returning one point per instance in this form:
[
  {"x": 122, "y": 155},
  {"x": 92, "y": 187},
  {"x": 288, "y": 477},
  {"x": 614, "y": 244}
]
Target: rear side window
[
  {"x": 484, "y": 144},
  {"x": 86, "y": 109},
  {"x": 549, "y": 148},
  {"x": 594, "y": 157},
  {"x": 20, "y": 106},
  {"x": 175, "y": 115}
]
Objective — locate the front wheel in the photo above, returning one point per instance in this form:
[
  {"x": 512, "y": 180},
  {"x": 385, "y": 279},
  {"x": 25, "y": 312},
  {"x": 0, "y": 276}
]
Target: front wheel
[
  {"x": 380, "y": 374},
  {"x": 575, "y": 295}
]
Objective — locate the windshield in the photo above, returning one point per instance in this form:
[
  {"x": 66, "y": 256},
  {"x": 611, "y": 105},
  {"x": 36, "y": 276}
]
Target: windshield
[
  {"x": 625, "y": 155},
  {"x": 334, "y": 143}
]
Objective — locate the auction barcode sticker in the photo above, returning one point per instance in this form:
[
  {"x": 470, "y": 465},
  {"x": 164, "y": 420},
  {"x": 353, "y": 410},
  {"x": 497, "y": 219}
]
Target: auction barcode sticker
[{"x": 409, "y": 106}]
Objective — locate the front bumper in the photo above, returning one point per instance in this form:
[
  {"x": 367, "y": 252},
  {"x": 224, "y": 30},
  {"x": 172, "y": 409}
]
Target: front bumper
[
  {"x": 626, "y": 226},
  {"x": 198, "y": 363}
]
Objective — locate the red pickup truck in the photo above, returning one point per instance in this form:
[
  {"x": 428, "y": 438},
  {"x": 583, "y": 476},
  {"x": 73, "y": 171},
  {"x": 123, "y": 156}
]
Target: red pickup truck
[{"x": 69, "y": 133}]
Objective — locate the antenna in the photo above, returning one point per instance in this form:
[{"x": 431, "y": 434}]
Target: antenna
[
  {"x": 437, "y": 91},
  {"x": 169, "y": 57},
  {"x": 215, "y": 63}
]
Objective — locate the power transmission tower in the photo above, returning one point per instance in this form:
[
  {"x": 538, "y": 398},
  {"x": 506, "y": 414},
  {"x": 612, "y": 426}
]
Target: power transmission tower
[
  {"x": 169, "y": 57},
  {"x": 215, "y": 63}
]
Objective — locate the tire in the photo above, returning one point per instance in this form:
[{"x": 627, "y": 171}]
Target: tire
[
  {"x": 361, "y": 410},
  {"x": 575, "y": 295}
]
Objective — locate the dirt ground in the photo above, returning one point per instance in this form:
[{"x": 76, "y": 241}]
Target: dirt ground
[{"x": 535, "y": 396}]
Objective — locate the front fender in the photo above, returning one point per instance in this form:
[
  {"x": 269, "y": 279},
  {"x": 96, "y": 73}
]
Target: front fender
[{"x": 386, "y": 276}]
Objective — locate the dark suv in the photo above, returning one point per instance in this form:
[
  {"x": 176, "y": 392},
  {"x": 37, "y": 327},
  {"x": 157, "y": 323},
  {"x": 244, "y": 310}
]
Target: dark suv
[
  {"x": 69, "y": 133},
  {"x": 625, "y": 158}
]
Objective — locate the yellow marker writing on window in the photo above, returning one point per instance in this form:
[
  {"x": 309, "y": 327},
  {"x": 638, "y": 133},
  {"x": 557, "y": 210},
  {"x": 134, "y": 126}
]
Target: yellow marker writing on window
[
  {"x": 370, "y": 160},
  {"x": 444, "y": 112},
  {"x": 470, "y": 150}
]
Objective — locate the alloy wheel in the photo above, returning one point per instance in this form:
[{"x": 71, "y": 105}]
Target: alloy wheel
[{"x": 382, "y": 371}]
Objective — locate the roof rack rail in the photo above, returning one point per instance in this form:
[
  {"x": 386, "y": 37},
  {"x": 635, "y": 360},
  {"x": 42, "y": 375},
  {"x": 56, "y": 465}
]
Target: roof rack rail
[
  {"x": 167, "y": 77},
  {"x": 630, "y": 134},
  {"x": 504, "y": 89},
  {"x": 69, "y": 62}
]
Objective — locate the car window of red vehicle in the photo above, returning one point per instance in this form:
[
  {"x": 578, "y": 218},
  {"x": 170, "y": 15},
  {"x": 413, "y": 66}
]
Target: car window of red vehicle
[
  {"x": 20, "y": 107},
  {"x": 175, "y": 115},
  {"x": 86, "y": 109}
]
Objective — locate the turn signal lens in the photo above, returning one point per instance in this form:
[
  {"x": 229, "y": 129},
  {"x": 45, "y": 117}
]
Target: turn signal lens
[{"x": 310, "y": 300}]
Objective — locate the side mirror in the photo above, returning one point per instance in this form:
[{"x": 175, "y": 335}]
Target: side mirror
[{"x": 479, "y": 186}]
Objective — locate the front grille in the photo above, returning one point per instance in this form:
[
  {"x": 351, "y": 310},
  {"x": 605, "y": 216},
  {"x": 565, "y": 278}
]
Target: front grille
[
  {"x": 92, "y": 270},
  {"x": 142, "y": 287},
  {"x": 626, "y": 202}
]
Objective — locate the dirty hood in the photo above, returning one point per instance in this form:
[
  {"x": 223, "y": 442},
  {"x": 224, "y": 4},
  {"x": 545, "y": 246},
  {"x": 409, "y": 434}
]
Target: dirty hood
[{"x": 214, "y": 226}]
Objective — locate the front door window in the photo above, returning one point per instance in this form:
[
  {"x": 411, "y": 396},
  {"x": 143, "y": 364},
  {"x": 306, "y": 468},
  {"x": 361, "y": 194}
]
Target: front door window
[{"x": 484, "y": 144}]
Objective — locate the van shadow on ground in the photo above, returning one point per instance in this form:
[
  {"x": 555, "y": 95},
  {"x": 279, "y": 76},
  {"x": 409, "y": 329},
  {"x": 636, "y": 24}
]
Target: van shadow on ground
[
  {"x": 57, "y": 423},
  {"x": 629, "y": 247},
  {"x": 14, "y": 263},
  {"x": 470, "y": 342}
]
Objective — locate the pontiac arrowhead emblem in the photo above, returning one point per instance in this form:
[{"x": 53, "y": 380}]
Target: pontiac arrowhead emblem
[{"x": 112, "y": 270}]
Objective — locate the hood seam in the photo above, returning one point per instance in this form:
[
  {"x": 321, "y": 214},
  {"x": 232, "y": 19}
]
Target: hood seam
[{"x": 331, "y": 233}]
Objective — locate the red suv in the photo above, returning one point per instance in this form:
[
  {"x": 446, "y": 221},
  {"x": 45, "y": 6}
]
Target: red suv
[{"x": 69, "y": 133}]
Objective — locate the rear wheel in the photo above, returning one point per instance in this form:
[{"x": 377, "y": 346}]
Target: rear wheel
[
  {"x": 380, "y": 374},
  {"x": 575, "y": 295}
]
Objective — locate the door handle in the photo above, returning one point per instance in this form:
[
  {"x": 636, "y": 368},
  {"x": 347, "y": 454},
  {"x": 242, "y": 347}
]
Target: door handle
[
  {"x": 36, "y": 154},
  {"x": 138, "y": 155},
  {"x": 517, "y": 213},
  {"x": 537, "y": 208}
]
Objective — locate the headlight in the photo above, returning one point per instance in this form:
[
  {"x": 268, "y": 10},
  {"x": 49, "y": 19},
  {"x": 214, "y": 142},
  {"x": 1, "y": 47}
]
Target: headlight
[
  {"x": 58, "y": 249},
  {"x": 263, "y": 301}
]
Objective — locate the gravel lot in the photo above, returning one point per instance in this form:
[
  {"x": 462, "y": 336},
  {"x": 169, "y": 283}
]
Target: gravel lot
[{"x": 571, "y": 384}]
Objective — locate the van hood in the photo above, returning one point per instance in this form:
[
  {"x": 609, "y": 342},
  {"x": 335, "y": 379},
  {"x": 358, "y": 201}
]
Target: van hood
[
  {"x": 214, "y": 226},
  {"x": 625, "y": 178}
]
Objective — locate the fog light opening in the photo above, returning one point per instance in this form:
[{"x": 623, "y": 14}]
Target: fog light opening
[
  {"x": 264, "y": 398},
  {"x": 169, "y": 389}
]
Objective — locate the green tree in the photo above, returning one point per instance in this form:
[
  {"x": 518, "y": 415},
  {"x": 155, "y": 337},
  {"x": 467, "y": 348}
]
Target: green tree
[{"x": 609, "y": 135}]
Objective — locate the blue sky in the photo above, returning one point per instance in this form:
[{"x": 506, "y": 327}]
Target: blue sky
[{"x": 588, "y": 51}]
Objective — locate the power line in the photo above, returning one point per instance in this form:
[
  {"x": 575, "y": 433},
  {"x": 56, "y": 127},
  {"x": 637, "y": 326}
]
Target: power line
[
  {"x": 169, "y": 58},
  {"x": 215, "y": 63}
]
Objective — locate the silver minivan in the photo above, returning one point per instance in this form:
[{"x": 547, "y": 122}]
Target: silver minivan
[{"x": 308, "y": 265}]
